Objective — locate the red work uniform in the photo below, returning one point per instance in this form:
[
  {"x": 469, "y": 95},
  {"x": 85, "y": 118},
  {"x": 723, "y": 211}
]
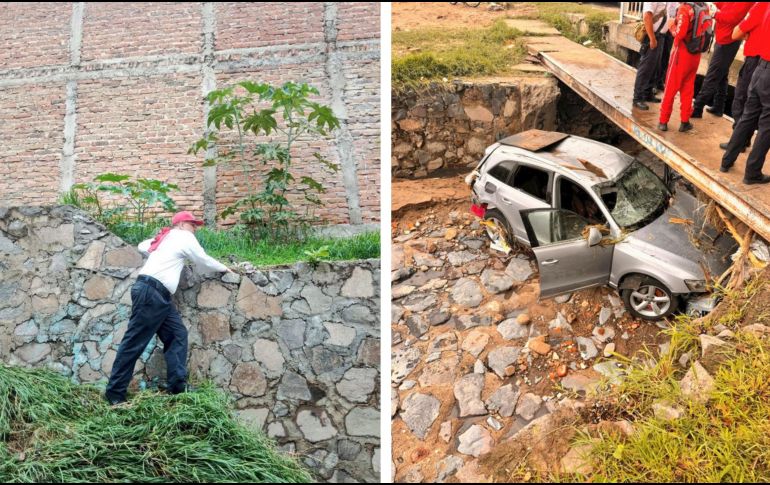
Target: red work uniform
[
  {"x": 682, "y": 68},
  {"x": 728, "y": 15}
]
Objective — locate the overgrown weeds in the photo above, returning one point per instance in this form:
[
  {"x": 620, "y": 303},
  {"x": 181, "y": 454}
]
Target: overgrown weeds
[
  {"x": 555, "y": 14},
  {"x": 429, "y": 54},
  {"x": 54, "y": 431}
]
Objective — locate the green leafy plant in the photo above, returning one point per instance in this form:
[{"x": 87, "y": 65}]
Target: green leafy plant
[
  {"x": 134, "y": 198},
  {"x": 268, "y": 122},
  {"x": 315, "y": 256},
  {"x": 140, "y": 194}
]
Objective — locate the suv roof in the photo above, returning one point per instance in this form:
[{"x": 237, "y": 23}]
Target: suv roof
[{"x": 591, "y": 161}]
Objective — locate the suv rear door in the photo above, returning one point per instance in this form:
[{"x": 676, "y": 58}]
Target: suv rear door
[
  {"x": 564, "y": 257},
  {"x": 528, "y": 188}
]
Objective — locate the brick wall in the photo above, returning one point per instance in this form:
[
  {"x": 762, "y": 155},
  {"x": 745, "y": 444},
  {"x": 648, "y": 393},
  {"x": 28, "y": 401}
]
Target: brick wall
[{"x": 87, "y": 88}]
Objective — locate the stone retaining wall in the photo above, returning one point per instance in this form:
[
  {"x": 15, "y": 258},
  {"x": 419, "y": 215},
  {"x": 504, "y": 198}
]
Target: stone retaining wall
[
  {"x": 297, "y": 347},
  {"x": 449, "y": 125}
]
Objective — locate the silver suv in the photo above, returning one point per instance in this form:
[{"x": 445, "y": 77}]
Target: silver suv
[{"x": 594, "y": 215}]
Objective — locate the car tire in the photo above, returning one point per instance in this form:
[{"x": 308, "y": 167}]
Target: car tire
[
  {"x": 660, "y": 301},
  {"x": 499, "y": 219}
]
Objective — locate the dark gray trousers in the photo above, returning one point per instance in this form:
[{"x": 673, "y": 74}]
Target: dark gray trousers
[
  {"x": 152, "y": 312},
  {"x": 645, "y": 71},
  {"x": 742, "y": 86},
  {"x": 755, "y": 116},
  {"x": 713, "y": 91}
]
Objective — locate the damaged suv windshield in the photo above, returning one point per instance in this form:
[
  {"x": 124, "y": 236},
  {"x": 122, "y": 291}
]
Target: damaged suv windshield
[{"x": 635, "y": 198}]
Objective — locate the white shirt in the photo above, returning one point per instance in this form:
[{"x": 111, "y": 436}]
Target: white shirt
[
  {"x": 671, "y": 8},
  {"x": 166, "y": 262},
  {"x": 655, "y": 8}
]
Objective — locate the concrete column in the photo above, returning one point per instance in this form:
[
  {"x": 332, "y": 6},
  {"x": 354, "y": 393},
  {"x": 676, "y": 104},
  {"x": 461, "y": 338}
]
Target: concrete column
[
  {"x": 343, "y": 137},
  {"x": 67, "y": 161},
  {"x": 209, "y": 83}
]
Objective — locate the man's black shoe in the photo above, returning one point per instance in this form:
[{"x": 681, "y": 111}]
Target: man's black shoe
[
  {"x": 653, "y": 99},
  {"x": 114, "y": 401},
  {"x": 724, "y": 146},
  {"x": 764, "y": 179},
  {"x": 641, "y": 105},
  {"x": 714, "y": 111},
  {"x": 663, "y": 126},
  {"x": 697, "y": 112},
  {"x": 685, "y": 127},
  {"x": 182, "y": 389},
  {"x": 725, "y": 169}
]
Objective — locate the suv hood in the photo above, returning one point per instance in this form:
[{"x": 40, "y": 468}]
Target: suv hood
[{"x": 686, "y": 246}]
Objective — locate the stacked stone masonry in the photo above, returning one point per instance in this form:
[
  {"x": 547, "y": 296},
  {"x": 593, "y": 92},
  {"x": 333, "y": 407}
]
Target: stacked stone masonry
[
  {"x": 448, "y": 125},
  {"x": 87, "y": 88},
  {"x": 297, "y": 347}
]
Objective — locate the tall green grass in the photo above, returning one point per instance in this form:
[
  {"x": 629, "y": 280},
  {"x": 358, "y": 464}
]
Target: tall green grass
[
  {"x": 54, "y": 431},
  {"x": 240, "y": 245},
  {"x": 426, "y": 54},
  {"x": 726, "y": 440}
]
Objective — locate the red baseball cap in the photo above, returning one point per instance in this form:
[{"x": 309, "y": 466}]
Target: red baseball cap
[{"x": 185, "y": 216}]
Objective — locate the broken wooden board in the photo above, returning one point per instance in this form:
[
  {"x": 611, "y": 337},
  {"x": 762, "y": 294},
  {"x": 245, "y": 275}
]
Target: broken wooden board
[{"x": 533, "y": 140}]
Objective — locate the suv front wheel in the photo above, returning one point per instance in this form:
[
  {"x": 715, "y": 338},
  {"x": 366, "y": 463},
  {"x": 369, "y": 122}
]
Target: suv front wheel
[{"x": 651, "y": 300}]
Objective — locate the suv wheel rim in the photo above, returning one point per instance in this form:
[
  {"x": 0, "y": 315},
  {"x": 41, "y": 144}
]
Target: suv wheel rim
[
  {"x": 650, "y": 301},
  {"x": 496, "y": 233}
]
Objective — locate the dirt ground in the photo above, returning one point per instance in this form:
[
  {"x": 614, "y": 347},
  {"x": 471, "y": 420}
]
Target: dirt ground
[{"x": 412, "y": 15}]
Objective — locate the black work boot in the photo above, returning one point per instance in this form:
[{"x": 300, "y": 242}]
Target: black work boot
[
  {"x": 764, "y": 179},
  {"x": 716, "y": 111},
  {"x": 183, "y": 388},
  {"x": 663, "y": 126},
  {"x": 697, "y": 112},
  {"x": 686, "y": 126},
  {"x": 641, "y": 105},
  {"x": 114, "y": 401}
]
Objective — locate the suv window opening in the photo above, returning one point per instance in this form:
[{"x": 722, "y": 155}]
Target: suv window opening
[
  {"x": 574, "y": 198},
  {"x": 532, "y": 181}
]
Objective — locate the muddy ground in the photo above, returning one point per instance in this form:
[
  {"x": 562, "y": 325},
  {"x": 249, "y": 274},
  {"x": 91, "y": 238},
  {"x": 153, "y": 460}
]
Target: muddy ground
[{"x": 457, "y": 306}]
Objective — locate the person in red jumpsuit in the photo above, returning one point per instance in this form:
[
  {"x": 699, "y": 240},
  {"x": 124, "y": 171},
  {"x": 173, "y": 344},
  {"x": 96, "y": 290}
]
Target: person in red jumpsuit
[{"x": 682, "y": 69}]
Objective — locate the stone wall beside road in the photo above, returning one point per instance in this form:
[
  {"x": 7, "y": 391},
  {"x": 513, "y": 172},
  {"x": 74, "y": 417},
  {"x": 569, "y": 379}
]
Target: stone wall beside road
[
  {"x": 449, "y": 125},
  {"x": 298, "y": 348}
]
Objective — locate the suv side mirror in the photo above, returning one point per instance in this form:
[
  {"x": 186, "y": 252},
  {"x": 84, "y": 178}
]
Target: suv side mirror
[{"x": 594, "y": 237}]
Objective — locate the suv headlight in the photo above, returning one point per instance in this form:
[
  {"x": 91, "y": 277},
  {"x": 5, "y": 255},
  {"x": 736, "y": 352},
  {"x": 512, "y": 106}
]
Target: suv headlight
[{"x": 696, "y": 286}]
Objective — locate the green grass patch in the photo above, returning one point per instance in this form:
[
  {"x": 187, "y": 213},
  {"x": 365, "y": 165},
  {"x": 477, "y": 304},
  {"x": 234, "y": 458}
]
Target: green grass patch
[
  {"x": 238, "y": 243},
  {"x": 555, "y": 14},
  {"x": 244, "y": 246},
  {"x": 725, "y": 440},
  {"x": 54, "y": 431},
  {"x": 429, "y": 54}
]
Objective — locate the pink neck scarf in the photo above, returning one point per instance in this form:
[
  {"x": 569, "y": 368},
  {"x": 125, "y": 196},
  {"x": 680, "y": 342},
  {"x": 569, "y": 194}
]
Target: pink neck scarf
[{"x": 156, "y": 242}]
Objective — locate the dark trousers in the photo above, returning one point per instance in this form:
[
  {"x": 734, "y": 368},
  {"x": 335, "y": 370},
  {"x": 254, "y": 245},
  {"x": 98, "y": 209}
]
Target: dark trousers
[
  {"x": 152, "y": 312},
  {"x": 742, "y": 86},
  {"x": 665, "y": 55},
  {"x": 645, "y": 71},
  {"x": 755, "y": 116},
  {"x": 713, "y": 91}
]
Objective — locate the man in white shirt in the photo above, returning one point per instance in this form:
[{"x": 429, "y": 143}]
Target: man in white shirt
[
  {"x": 152, "y": 310},
  {"x": 666, "y": 43},
  {"x": 654, "y": 18}
]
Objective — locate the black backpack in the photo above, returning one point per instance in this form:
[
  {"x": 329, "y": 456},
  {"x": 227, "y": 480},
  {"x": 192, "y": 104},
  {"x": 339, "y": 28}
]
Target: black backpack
[{"x": 702, "y": 29}]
